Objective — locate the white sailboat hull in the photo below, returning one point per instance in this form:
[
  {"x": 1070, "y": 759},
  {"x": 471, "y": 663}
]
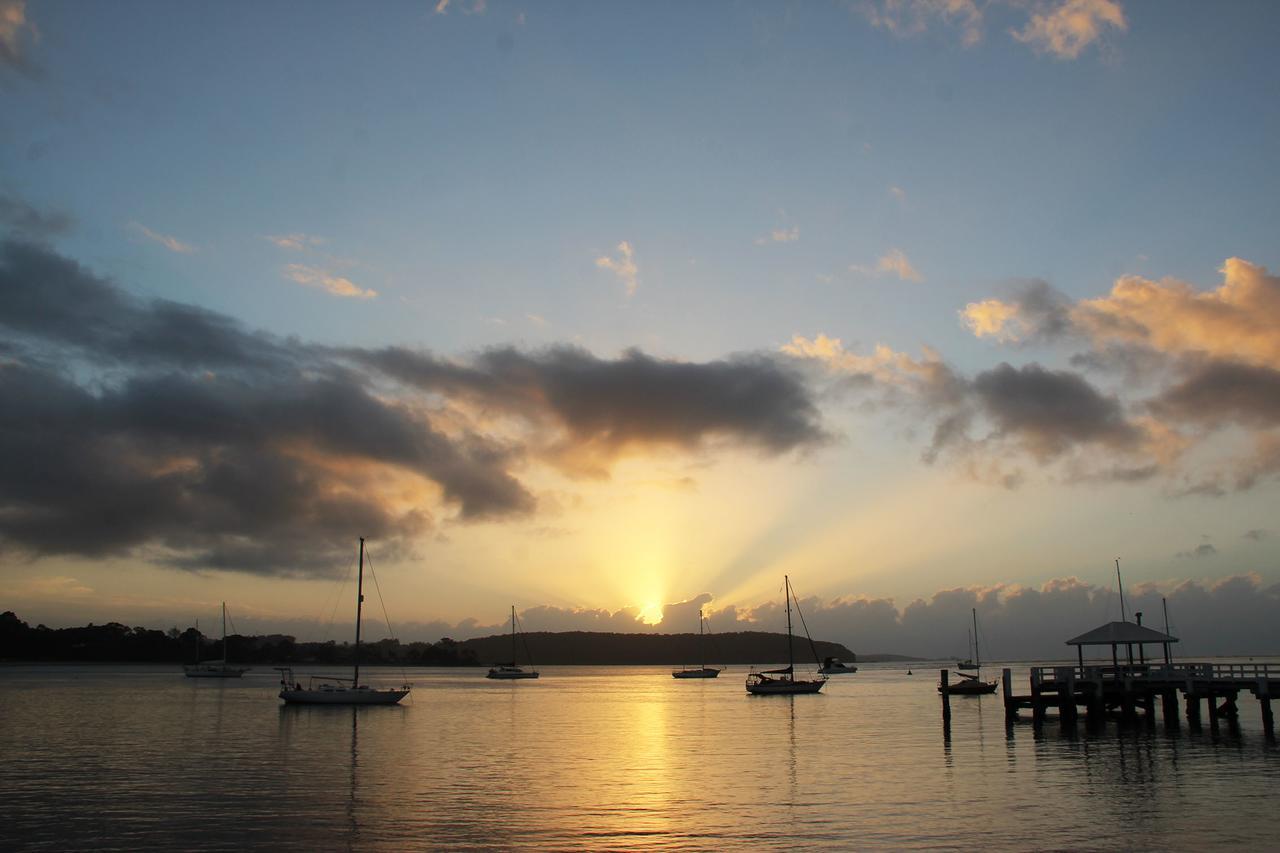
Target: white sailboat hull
[{"x": 343, "y": 696}]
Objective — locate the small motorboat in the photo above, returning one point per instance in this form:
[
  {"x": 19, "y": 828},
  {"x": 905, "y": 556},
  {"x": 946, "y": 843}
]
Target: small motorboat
[{"x": 834, "y": 666}]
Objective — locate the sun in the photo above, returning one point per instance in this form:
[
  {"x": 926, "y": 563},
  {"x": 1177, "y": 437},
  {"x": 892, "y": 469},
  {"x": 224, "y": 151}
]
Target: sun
[{"x": 651, "y": 613}]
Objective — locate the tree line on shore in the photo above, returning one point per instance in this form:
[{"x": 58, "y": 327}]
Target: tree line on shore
[{"x": 114, "y": 642}]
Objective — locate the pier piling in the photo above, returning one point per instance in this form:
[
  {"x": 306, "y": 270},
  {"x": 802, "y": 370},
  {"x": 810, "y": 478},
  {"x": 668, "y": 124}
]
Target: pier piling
[
  {"x": 1169, "y": 708},
  {"x": 944, "y": 681},
  {"x": 1010, "y": 707}
]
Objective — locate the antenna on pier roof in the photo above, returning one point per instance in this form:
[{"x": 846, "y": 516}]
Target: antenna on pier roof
[{"x": 1120, "y": 584}]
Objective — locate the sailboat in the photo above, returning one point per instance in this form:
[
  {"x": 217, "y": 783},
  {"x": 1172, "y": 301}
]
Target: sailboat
[
  {"x": 967, "y": 663},
  {"x": 211, "y": 668},
  {"x": 509, "y": 671},
  {"x": 330, "y": 690},
  {"x": 971, "y": 685},
  {"x": 773, "y": 682},
  {"x": 703, "y": 671}
]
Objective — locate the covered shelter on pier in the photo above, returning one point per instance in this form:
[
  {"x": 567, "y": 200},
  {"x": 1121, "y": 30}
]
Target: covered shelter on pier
[{"x": 1127, "y": 634}]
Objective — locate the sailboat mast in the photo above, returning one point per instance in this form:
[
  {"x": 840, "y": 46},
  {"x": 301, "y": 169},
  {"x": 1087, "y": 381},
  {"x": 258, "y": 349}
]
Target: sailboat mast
[
  {"x": 513, "y": 635},
  {"x": 791, "y": 658},
  {"x": 224, "y": 633},
  {"x": 977, "y": 655},
  {"x": 1120, "y": 586},
  {"x": 355, "y": 676},
  {"x": 702, "y": 649}
]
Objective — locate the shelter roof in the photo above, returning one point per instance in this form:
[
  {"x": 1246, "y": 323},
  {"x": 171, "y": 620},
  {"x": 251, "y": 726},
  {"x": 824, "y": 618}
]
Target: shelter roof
[{"x": 1120, "y": 633}]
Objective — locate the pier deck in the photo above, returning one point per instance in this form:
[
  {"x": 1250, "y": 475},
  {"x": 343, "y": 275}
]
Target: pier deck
[{"x": 1129, "y": 689}]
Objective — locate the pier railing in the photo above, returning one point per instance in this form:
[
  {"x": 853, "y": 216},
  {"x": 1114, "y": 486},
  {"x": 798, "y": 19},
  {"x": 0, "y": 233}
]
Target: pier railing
[{"x": 1158, "y": 672}]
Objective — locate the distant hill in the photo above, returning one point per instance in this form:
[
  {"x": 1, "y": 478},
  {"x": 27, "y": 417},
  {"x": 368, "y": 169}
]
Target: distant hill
[
  {"x": 589, "y": 647},
  {"x": 121, "y": 643}
]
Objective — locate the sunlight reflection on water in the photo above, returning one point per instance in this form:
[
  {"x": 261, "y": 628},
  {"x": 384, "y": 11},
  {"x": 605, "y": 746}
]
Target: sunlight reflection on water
[{"x": 138, "y": 757}]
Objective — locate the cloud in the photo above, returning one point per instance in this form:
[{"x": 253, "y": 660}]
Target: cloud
[
  {"x": 1049, "y": 411},
  {"x": 173, "y": 244},
  {"x": 1035, "y": 312},
  {"x": 1204, "y": 360},
  {"x": 623, "y": 266},
  {"x": 779, "y": 235},
  {"x": 589, "y": 411},
  {"x": 476, "y": 7},
  {"x": 176, "y": 435},
  {"x": 163, "y": 430},
  {"x": 898, "y": 193},
  {"x": 987, "y": 423},
  {"x": 895, "y": 263},
  {"x": 329, "y": 282},
  {"x": 1257, "y": 534},
  {"x": 295, "y": 242},
  {"x": 1198, "y": 553},
  {"x": 1224, "y": 392},
  {"x": 1210, "y": 617},
  {"x": 16, "y": 32},
  {"x": 23, "y": 219},
  {"x": 1237, "y": 320},
  {"x": 905, "y": 18},
  {"x": 1061, "y": 28},
  {"x": 1064, "y": 29}
]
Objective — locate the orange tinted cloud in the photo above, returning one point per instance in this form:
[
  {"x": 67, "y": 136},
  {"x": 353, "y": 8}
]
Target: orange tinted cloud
[
  {"x": 1069, "y": 27},
  {"x": 1240, "y": 319}
]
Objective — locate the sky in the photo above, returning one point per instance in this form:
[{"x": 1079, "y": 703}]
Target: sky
[{"x": 618, "y": 310}]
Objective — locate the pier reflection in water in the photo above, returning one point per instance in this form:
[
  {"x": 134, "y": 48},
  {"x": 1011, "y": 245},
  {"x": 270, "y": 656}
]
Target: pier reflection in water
[{"x": 140, "y": 758}]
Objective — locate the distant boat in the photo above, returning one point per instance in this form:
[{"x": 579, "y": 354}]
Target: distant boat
[
  {"x": 967, "y": 663},
  {"x": 510, "y": 671},
  {"x": 328, "y": 690},
  {"x": 783, "y": 682},
  {"x": 211, "y": 668},
  {"x": 833, "y": 666},
  {"x": 703, "y": 671},
  {"x": 971, "y": 685}
]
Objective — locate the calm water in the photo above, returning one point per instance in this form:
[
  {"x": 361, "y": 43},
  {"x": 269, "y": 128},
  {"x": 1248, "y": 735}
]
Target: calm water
[{"x": 135, "y": 758}]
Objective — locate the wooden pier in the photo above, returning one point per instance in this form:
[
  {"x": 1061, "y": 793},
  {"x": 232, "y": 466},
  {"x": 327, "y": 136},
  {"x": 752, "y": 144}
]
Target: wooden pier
[{"x": 1131, "y": 692}]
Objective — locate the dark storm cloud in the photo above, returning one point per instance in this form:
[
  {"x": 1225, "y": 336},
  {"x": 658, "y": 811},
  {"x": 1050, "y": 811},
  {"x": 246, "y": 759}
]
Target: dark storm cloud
[
  {"x": 206, "y": 443},
  {"x": 54, "y": 302},
  {"x": 1045, "y": 413},
  {"x": 1050, "y": 410},
  {"x": 632, "y": 400},
  {"x": 1224, "y": 392},
  {"x": 161, "y": 429},
  {"x": 19, "y": 217}
]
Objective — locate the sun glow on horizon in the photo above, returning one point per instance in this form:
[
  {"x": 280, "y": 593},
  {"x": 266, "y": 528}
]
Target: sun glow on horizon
[{"x": 652, "y": 613}]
